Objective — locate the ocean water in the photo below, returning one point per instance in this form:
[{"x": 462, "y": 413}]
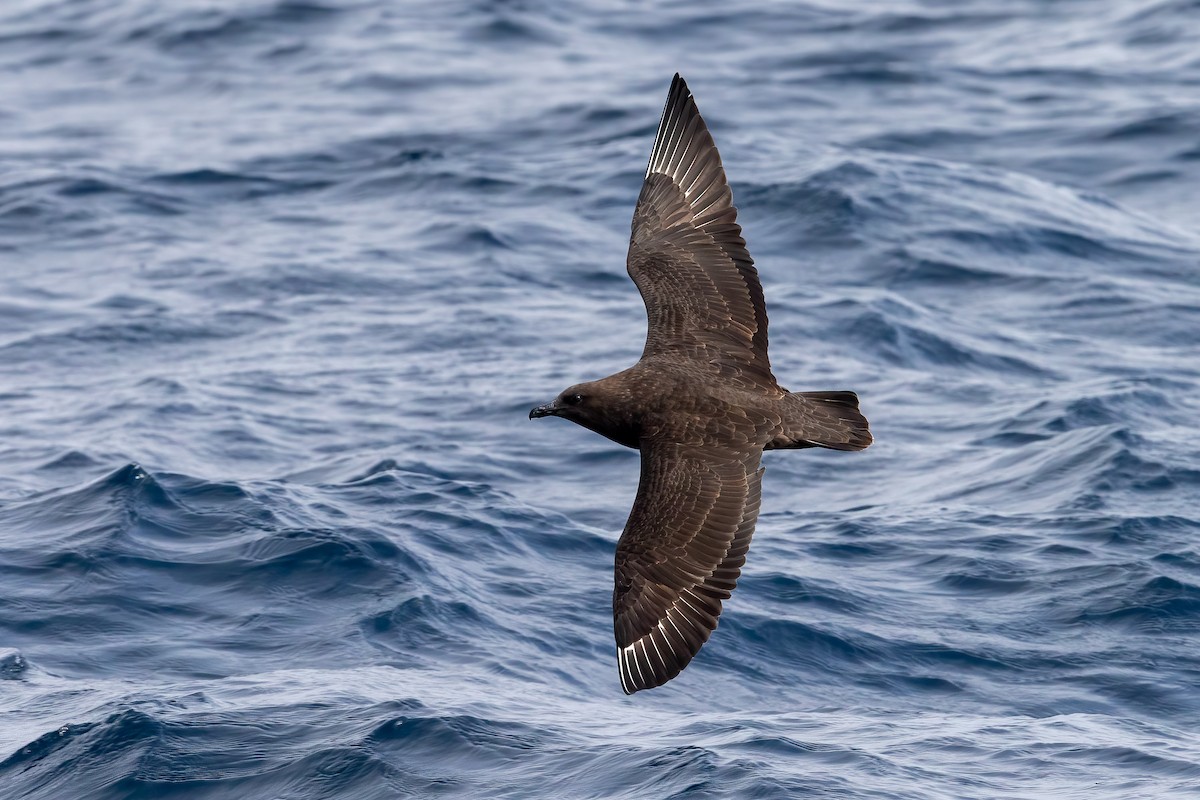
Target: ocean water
[{"x": 279, "y": 282}]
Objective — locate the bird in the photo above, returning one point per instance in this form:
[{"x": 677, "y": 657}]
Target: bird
[{"x": 701, "y": 406}]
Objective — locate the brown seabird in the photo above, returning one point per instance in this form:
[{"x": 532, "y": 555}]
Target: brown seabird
[{"x": 701, "y": 405}]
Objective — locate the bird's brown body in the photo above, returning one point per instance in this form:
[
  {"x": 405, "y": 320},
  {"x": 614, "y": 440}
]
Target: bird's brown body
[
  {"x": 660, "y": 398},
  {"x": 701, "y": 405}
]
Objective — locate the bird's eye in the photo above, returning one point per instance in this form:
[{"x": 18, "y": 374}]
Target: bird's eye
[{"x": 574, "y": 399}]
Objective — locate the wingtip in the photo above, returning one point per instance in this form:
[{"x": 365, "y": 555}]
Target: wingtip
[
  {"x": 678, "y": 108},
  {"x": 627, "y": 683},
  {"x": 679, "y": 90}
]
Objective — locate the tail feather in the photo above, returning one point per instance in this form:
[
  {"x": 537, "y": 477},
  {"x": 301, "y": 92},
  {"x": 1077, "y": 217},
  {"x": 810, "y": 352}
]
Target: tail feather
[{"x": 823, "y": 419}]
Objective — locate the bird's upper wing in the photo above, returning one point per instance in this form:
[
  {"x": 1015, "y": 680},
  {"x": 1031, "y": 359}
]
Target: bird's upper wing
[
  {"x": 680, "y": 555},
  {"x": 687, "y": 256}
]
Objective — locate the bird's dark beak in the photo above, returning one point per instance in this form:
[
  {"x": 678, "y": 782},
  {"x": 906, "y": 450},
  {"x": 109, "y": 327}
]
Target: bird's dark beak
[{"x": 547, "y": 410}]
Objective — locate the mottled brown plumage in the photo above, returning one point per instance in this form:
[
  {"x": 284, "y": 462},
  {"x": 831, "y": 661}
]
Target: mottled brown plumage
[{"x": 701, "y": 405}]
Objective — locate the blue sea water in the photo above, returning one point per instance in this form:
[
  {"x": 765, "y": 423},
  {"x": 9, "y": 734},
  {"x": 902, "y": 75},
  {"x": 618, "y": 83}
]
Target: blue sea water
[{"x": 280, "y": 280}]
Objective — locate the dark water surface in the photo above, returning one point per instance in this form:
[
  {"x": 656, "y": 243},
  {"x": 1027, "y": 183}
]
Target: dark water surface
[{"x": 279, "y": 282}]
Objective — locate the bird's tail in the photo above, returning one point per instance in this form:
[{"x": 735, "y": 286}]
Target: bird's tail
[{"x": 823, "y": 419}]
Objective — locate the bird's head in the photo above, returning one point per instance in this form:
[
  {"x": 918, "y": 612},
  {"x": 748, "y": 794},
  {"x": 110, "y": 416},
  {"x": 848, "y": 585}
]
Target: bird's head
[
  {"x": 602, "y": 406},
  {"x": 577, "y": 403}
]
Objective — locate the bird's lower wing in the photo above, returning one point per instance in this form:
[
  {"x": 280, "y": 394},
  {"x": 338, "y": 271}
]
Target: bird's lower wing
[{"x": 680, "y": 556}]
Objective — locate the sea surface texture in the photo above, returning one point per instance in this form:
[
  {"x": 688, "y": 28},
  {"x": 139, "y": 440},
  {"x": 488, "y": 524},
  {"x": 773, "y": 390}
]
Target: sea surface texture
[{"x": 280, "y": 281}]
